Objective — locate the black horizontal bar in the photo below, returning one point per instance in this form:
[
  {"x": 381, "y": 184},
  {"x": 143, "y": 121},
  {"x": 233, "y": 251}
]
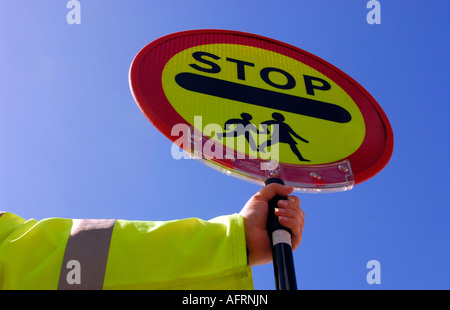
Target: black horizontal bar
[{"x": 262, "y": 97}]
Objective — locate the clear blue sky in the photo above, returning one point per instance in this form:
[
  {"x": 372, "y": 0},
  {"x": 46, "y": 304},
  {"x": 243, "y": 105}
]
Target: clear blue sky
[{"x": 74, "y": 144}]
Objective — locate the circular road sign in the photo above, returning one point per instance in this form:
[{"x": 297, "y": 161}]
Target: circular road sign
[{"x": 254, "y": 108}]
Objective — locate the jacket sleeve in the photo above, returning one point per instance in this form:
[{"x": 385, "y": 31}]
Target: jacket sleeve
[{"x": 109, "y": 254}]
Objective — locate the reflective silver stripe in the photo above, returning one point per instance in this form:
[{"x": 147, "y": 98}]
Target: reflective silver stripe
[
  {"x": 86, "y": 255},
  {"x": 281, "y": 236}
]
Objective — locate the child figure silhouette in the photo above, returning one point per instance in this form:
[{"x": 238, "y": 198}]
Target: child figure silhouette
[
  {"x": 243, "y": 126},
  {"x": 285, "y": 133}
]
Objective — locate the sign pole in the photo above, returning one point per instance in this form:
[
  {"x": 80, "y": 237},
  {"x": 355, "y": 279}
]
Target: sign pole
[{"x": 280, "y": 237}]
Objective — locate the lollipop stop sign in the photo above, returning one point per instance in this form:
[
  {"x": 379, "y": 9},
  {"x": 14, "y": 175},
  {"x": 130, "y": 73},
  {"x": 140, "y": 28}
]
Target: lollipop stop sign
[{"x": 258, "y": 109}]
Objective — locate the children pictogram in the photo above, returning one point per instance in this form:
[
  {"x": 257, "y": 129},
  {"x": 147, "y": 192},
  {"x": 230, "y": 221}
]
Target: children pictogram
[{"x": 282, "y": 132}]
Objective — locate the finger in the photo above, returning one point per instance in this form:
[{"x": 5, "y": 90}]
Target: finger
[
  {"x": 296, "y": 228},
  {"x": 293, "y": 203},
  {"x": 293, "y": 214},
  {"x": 291, "y": 217},
  {"x": 294, "y": 199},
  {"x": 273, "y": 189}
]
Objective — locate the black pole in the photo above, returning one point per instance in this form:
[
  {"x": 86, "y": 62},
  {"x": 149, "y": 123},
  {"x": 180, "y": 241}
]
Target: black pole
[{"x": 280, "y": 237}]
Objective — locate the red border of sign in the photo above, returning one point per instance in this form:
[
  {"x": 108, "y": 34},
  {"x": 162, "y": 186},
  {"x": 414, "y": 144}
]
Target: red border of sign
[{"x": 370, "y": 158}]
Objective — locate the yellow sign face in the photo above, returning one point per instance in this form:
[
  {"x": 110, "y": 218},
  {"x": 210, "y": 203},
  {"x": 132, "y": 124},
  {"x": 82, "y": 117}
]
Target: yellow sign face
[{"x": 315, "y": 120}]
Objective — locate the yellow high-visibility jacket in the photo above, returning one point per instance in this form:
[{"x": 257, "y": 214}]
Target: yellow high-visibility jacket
[{"x": 58, "y": 253}]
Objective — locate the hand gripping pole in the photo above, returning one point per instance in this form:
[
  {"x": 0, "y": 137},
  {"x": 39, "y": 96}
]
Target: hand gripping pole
[{"x": 280, "y": 237}]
